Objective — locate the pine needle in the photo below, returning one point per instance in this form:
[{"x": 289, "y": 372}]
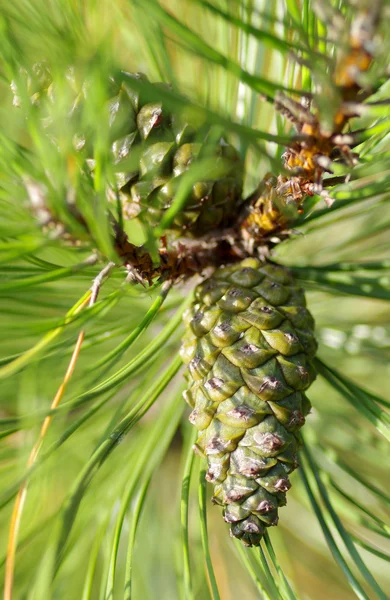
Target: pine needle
[{"x": 22, "y": 493}]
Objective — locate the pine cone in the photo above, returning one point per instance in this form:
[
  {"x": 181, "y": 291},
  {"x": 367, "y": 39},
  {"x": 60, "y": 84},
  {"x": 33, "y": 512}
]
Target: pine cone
[
  {"x": 159, "y": 147},
  {"x": 249, "y": 347}
]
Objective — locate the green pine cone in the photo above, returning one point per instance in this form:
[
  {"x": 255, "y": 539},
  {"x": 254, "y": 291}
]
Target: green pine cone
[
  {"x": 152, "y": 150},
  {"x": 249, "y": 348}
]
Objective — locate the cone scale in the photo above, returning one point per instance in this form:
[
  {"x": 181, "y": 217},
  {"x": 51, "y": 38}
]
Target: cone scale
[{"x": 249, "y": 347}]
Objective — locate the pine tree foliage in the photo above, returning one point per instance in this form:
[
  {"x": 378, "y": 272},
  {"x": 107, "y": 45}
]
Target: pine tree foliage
[{"x": 101, "y": 493}]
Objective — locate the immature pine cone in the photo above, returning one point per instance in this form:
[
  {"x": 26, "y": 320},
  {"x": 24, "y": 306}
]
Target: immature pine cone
[
  {"x": 249, "y": 347},
  {"x": 152, "y": 149}
]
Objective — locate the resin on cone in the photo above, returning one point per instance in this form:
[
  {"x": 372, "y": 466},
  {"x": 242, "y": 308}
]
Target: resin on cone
[{"x": 249, "y": 348}]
